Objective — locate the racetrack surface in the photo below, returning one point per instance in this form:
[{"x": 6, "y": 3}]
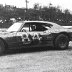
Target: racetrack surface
[{"x": 37, "y": 60}]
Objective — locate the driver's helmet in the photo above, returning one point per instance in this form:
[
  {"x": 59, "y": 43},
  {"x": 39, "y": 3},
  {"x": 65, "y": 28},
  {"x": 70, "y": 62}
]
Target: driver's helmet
[{"x": 33, "y": 27}]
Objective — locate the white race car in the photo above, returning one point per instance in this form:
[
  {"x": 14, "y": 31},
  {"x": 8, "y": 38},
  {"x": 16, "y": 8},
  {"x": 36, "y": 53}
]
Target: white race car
[{"x": 28, "y": 34}]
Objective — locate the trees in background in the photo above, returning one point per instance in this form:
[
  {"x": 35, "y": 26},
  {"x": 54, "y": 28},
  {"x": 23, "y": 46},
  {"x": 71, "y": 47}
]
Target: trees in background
[{"x": 50, "y": 13}]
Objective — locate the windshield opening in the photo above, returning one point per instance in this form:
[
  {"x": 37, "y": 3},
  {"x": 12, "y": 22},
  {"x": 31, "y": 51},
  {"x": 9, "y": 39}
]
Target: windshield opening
[{"x": 14, "y": 27}]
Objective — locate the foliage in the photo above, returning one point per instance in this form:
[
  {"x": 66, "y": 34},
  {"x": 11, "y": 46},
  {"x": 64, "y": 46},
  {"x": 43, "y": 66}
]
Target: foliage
[{"x": 50, "y": 13}]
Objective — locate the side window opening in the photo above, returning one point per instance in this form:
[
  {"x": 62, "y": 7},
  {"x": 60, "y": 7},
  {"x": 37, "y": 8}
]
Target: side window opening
[
  {"x": 40, "y": 26},
  {"x": 48, "y": 25},
  {"x": 26, "y": 27},
  {"x": 43, "y": 26},
  {"x": 35, "y": 26}
]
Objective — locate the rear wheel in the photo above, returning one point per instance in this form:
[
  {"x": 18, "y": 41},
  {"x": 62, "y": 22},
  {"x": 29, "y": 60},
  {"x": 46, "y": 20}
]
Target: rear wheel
[
  {"x": 2, "y": 47},
  {"x": 61, "y": 42}
]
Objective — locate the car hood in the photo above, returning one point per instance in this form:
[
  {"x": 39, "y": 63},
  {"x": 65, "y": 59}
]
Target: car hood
[{"x": 5, "y": 34}]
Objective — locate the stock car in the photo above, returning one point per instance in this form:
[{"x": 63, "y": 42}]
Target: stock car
[{"x": 26, "y": 34}]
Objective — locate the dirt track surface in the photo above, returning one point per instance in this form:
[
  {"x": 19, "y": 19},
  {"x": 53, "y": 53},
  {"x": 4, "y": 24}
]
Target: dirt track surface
[{"x": 49, "y": 60}]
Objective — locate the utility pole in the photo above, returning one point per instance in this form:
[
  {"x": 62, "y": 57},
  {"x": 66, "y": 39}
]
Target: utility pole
[
  {"x": 26, "y": 9},
  {"x": 26, "y": 4}
]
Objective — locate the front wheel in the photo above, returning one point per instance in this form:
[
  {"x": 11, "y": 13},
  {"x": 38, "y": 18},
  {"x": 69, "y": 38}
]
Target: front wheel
[
  {"x": 2, "y": 47},
  {"x": 61, "y": 42}
]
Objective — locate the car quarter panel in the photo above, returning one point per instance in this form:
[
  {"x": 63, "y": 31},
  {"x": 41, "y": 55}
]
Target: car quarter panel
[{"x": 11, "y": 39}]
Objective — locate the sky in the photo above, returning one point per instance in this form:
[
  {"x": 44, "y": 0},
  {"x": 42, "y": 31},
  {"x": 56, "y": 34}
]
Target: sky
[{"x": 64, "y": 4}]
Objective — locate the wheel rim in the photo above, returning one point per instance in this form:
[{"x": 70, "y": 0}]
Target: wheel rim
[
  {"x": 2, "y": 46},
  {"x": 1, "y": 50},
  {"x": 62, "y": 42}
]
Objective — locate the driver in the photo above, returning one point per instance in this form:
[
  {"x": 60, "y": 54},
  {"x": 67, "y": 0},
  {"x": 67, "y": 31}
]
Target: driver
[{"x": 33, "y": 27}]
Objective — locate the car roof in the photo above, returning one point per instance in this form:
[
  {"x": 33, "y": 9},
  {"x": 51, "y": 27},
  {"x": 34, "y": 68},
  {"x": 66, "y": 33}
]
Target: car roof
[{"x": 39, "y": 22}]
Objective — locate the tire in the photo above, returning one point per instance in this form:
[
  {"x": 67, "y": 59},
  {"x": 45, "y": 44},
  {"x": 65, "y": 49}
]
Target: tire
[
  {"x": 2, "y": 47},
  {"x": 61, "y": 42}
]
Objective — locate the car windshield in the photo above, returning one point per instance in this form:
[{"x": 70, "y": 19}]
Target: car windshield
[{"x": 14, "y": 27}]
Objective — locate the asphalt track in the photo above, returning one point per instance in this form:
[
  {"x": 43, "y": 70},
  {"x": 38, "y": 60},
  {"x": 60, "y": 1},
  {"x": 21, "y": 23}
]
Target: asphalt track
[{"x": 44, "y": 59}]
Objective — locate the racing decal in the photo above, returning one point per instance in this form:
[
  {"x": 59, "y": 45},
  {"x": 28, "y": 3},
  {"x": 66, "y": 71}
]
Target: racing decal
[
  {"x": 31, "y": 39},
  {"x": 36, "y": 38},
  {"x": 26, "y": 39}
]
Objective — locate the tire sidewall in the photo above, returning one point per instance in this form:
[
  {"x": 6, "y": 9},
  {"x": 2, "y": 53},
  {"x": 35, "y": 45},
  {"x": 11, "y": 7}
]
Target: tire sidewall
[
  {"x": 56, "y": 43},
  {"x": 2, "y": 47}
]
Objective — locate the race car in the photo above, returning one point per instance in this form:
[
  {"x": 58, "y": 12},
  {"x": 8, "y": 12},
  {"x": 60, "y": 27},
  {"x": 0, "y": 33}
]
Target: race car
[{"x": 28, "y": 34}]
